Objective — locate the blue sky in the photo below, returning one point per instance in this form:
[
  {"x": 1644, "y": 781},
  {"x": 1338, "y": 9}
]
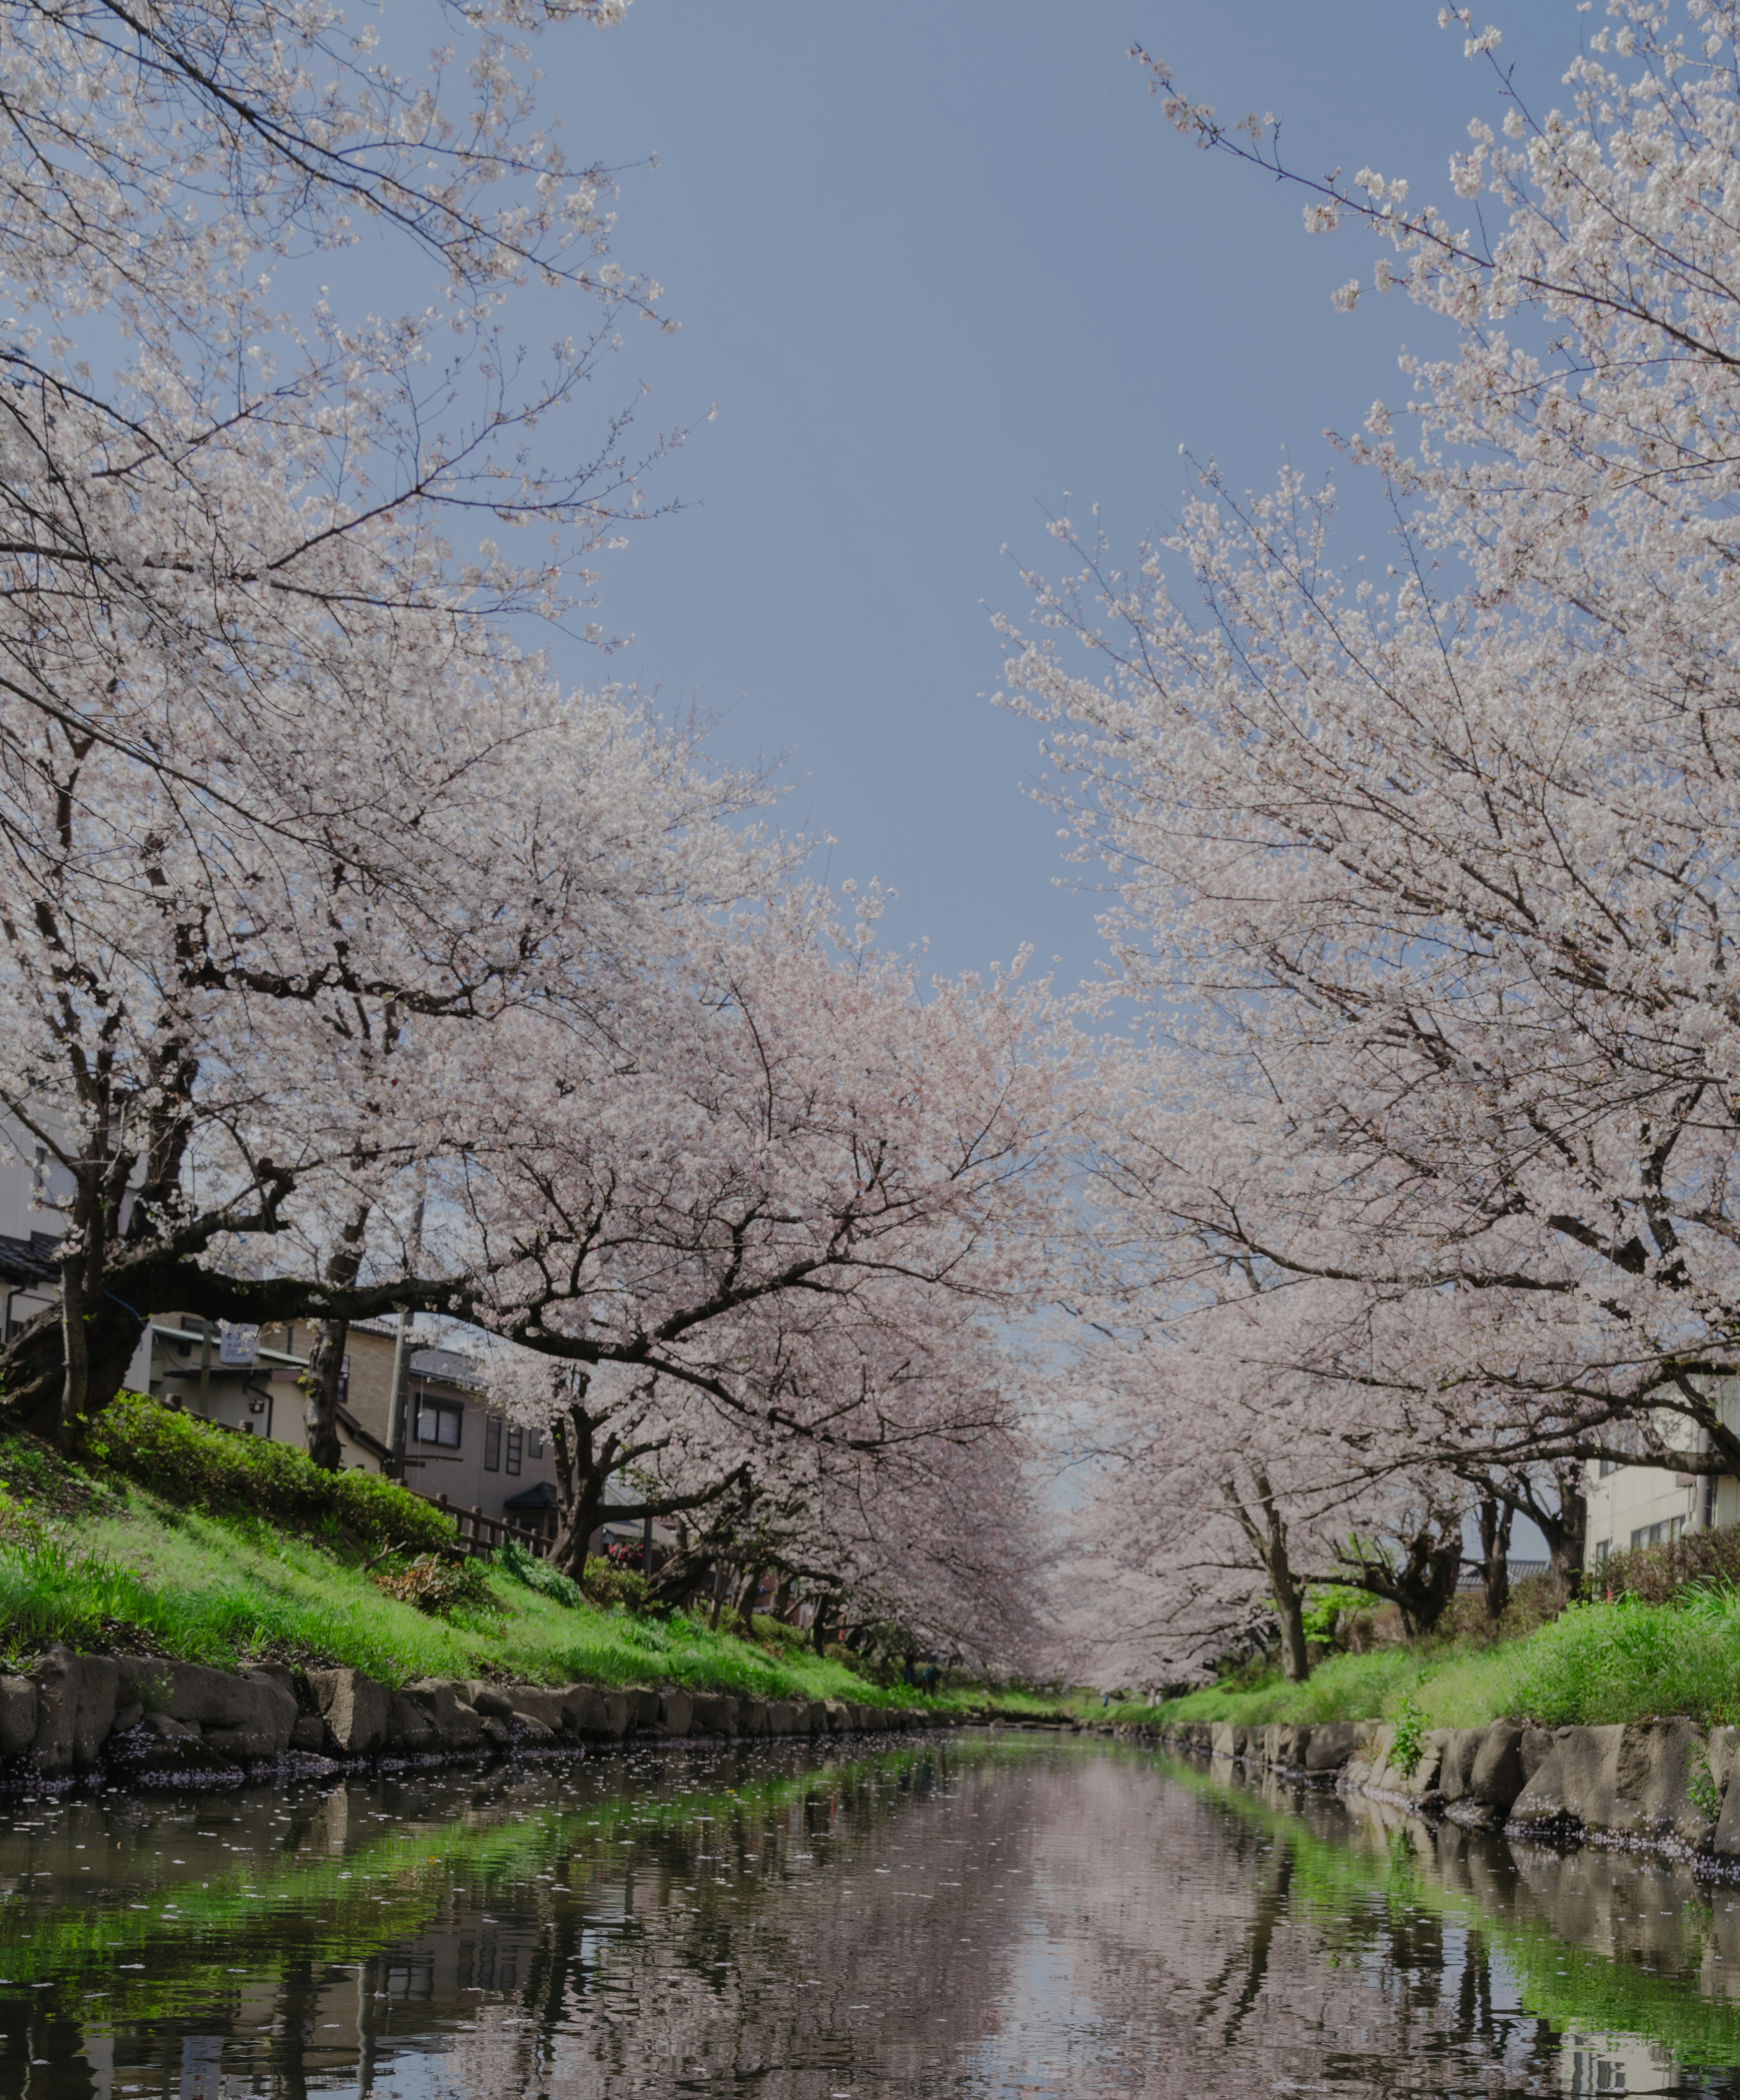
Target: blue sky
[{"x": 937, "y": 265}]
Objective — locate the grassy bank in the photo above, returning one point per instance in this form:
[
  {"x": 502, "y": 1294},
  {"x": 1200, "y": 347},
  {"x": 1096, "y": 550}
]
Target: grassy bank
[
  {"x": 102, "y": 1561},
  {"x": 1622, "y": 1661}
]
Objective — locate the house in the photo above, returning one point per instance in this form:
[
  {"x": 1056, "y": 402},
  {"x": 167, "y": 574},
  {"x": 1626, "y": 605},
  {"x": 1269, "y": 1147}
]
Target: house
[
  {"x": 445, "y": 1440},
  {"x": 1631, "y": 1505}
]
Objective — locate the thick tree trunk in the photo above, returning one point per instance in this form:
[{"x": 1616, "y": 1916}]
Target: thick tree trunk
[
  {"x": 818, "y": 1631},
  {"x": 1290, "y": 1608},
  {"x": 1568, "y": 1536},
  {"x": 1495, "y": 1521},
  {"x": 322, "y": 1383},
  {"x": 323, "y": 1379},
  {"x": 1266, "y": 1530},
  {"x": 75, "y": 1378},
  {"x": 746, "y": 1600}
]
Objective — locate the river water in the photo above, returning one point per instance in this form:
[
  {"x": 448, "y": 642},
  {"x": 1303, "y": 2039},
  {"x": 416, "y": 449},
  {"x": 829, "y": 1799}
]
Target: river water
[{"x": 982, "y": 1916}]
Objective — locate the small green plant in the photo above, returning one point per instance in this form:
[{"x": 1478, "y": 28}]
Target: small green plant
[
  {"x": 1701, "y": 1788},
  {"x": 536, "y": 1574},
  {"x": 1408, "y": 1738}
]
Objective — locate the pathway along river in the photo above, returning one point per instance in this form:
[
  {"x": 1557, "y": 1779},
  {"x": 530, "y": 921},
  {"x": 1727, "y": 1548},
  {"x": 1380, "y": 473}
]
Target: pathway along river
[{"x": 971, "y": 1916}]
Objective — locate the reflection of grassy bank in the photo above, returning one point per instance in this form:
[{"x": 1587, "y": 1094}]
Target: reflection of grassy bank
[
  {"x": 1619, "y": 1661},
  {"x": 350, "y": 1907},
  {"x": 1356, "y": 1891}
]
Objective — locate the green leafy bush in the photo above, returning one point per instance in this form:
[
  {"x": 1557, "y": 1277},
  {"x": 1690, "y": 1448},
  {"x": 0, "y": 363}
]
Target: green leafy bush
[
  {"x": 514, "y": 1559},
  {"x": 606, "y": 1583},
  {"x": 196, "y": 1465}
]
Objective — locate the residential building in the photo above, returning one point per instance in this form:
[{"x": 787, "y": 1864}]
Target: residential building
[
  {"x": 451, "y": 1443},
  {"x": 1632, "y": 1506}
]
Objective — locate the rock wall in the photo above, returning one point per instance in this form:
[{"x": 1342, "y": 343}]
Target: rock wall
[
  {"x": 153, "y": 1723},
  {"x": 1664, "y": 1784}
]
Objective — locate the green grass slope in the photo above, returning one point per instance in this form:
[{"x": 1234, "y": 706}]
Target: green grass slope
[
  {"x": 187, "y": 1567},
  {"x": 1622, "y": 1661}
]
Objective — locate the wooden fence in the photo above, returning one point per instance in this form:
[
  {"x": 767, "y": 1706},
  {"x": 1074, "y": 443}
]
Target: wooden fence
[{"x": 478, "y": 1533}]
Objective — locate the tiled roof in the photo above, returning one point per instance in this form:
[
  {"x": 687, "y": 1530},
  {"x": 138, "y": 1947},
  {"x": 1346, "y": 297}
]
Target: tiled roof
[{"x": 29, "y": 1260}]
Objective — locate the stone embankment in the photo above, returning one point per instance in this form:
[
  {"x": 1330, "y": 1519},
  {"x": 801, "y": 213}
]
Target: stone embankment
[
  {"x": 1665, "y": 1785},
  {"x": 133, "y": 1721}
]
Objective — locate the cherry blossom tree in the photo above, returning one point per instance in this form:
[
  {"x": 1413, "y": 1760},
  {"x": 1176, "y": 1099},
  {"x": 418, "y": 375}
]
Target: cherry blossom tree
[
  {"x": 1425, "y": 877},
  {"x": 281, "y": 801}
]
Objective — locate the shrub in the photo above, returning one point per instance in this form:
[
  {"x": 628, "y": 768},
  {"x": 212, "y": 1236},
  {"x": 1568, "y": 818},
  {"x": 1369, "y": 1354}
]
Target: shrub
[
  {"x": 514, "y": 1559},
  {"x": 608, "y": 1582},
  {"x": 196, "y": 1465},
  {"x": 1656, "y": 1574},
  {"x": 439, "y": 1586}
]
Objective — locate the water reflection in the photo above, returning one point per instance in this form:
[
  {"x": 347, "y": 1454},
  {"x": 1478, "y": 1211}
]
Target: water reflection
[{"x": 976, "y": 1917}]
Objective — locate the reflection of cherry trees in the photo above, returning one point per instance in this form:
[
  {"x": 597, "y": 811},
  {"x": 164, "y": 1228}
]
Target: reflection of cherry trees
[{"x": 965, "y": 1917}]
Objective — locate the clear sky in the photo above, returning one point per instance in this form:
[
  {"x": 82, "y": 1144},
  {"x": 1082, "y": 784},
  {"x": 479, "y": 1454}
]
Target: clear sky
[{"x": 935, "y": 265}]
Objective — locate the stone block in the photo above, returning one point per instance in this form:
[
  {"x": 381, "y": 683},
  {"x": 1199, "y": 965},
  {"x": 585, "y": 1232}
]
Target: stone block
[
  {"x": 356, "y": 1709},
  {"x": 309, "y": 1734},
  {"x": 530, "y": 1702},
  {"x": 713, "y": 1713},
  {"x": 1285, "y": 1744},
  {"x": 246, "y": 1746},
  {"x": 1457, "y": 1765},
  {"x": 1496, "y": 1776},
  {"x": 1224, "y": 1741},
  {"x": 410, "y": 1725},
  {"x": 156, "y": 1742},
  {"x": 493, "y": 1700},
  {"x": 455, "y": 1720},
  {"x": 18, "y": 1715},
  {"x": 781, "y": 1716},
  {"x": 1537, "y": 1747},
  {"x": 839, "y": 1716},
  {"x": 1332, "y": 1743},
  {"x": 209, "y": 1698},
  {"x": 76, "y": 1706},
  {"x": 1722, "y": 1753},
  {"x": 676, "y": 1713}
]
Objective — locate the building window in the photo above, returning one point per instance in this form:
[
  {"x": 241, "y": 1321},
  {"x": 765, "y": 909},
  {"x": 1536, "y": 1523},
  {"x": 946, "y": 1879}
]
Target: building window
[
  {"x": 1604, "y": 1467},
  {"x": 492, "y": 1444},
  {"x": 534, "y": 1443},
  {"x": 1658, "y": 1534},
  {"x": 516, "y": 1442},
  {"x": 344, "y": 1382},
  {"x": 1603, "y": 1547},
  {"x": 438, "y": 1422}
]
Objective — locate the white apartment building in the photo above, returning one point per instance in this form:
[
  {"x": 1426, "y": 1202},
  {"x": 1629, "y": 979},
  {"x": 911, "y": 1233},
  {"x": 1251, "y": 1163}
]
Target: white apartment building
[{"x": 1631, "y": 1505}]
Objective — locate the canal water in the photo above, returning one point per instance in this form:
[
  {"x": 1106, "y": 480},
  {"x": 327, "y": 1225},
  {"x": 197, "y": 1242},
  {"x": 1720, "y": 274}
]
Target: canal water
[{"x": 982, "y": 1916}]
